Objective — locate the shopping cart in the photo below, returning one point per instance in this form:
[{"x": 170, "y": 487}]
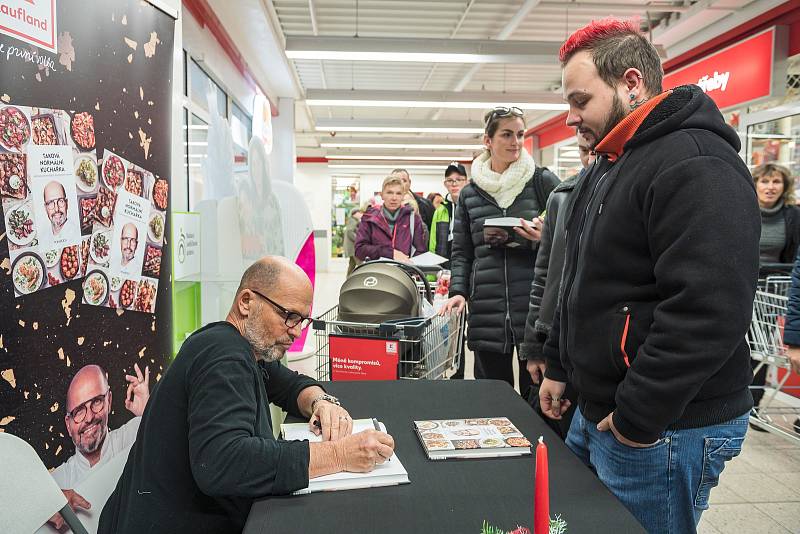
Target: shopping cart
[
  {"x": 413, "y": 348},
  {"x": 765, "y": 338}
]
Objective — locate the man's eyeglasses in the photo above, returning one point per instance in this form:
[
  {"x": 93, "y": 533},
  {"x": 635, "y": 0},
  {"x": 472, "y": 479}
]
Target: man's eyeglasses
[
  {"x": 61, "y": 202},
  {"x": 129, "y": 240},
  {"x": 95, "y": 404},
  {"x": 290, "y": 318},
  {"x": 454, "y": 181}
]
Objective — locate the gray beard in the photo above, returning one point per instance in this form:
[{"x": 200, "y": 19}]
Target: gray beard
[{"x": 262, "y": 351}]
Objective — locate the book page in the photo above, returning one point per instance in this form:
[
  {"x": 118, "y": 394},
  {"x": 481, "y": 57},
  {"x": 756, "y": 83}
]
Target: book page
[{"x": 390, "y": 472}]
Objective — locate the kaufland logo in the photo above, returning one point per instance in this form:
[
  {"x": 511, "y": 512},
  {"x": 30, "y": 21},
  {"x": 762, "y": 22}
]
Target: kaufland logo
[
  {"x": 23, "y": 15},
  {"x": 31, "y": 21},
  {"x": 719, "y": 80}
]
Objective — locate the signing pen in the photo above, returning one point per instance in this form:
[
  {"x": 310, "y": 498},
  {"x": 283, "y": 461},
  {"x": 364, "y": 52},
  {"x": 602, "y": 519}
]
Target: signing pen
[{"x": 376, "y": 425}]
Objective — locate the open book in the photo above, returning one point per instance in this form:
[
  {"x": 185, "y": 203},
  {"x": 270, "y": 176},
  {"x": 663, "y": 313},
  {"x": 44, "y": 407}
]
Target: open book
[
  {"x": 389, "y": 473},
  {"x": 471, "y": 438}
]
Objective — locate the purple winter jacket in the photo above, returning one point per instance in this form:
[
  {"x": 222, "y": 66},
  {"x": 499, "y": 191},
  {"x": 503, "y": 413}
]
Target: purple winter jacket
[{"x": 374, "y": 240}]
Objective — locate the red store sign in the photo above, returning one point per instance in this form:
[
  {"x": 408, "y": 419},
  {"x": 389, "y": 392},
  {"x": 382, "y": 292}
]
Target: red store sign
[
  {"x": 30, "y": 21},
  {"x": 740, "y": 73},
  {"x": 359, "y": 358}
]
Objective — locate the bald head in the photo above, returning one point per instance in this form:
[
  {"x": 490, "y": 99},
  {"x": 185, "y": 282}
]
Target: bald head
[
  {"x": 273, "y": 297},
  {"x": 271, "y": 273},
  {"x": 86, "y": 381}
]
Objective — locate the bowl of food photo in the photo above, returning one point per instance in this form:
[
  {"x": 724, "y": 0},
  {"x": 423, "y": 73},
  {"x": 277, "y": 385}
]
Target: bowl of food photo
[{"x": 15, "y": 129}]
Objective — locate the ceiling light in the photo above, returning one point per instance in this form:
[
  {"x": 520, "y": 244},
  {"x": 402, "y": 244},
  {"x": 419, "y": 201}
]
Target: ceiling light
[
  {"x": 541, "y": 100},
  {"x": 398, "y": 126},
  {"x": 396, "y": 157},
  {"x": 390, "y": 167},
  {"x": 465, "y": 146},
  {"x": 540, "y": 106},
  {"x": 422, "y": 50}
]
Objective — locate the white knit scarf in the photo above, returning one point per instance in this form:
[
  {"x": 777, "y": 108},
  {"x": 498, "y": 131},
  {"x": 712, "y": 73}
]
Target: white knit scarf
[{"x": 505, "y": 187}]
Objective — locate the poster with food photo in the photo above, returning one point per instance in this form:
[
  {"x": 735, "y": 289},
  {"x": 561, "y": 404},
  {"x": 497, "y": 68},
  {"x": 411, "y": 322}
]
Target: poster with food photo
[
  {"x": 124, "y": 250},
  {"x": 39, "y": 197}
]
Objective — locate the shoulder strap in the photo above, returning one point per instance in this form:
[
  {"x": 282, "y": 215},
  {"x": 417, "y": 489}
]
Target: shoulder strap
[{"x": 411, "y": 224}]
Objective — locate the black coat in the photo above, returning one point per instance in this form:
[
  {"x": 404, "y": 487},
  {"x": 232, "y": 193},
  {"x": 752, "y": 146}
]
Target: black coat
[
  {"x": 426, "y": 210},
  {"x": 495, "y": 281},
  {"x": 658, "y": 281}
]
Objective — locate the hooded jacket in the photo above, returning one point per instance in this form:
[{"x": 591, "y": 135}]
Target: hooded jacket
[
  {"x": 658, "y": 282},
  {"x": 374, "y": 240},
  {"x": 495, "y": 282}
]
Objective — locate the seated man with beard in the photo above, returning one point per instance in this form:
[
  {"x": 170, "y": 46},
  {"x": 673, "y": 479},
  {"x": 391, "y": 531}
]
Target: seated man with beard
[{"x": 205, "y": 447}]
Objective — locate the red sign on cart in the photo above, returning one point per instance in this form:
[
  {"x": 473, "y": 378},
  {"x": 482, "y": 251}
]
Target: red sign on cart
[{"x": 360, "y": 358}]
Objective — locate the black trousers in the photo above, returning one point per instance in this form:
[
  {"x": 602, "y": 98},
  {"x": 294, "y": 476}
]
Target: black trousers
[
  {"x": 459, "y": 374},
  {"x": 499, "y": 366}
]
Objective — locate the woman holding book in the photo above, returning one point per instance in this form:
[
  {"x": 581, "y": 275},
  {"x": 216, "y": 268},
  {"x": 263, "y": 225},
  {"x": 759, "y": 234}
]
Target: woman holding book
[{"x": 491, "y": 274}]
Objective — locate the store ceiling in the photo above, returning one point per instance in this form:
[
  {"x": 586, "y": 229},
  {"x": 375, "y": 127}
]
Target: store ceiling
[{"x": 407, "y": 22}]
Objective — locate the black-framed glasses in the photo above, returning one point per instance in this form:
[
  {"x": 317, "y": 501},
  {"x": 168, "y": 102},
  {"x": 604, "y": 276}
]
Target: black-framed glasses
[
  {"x": 453, "y": 181},
  {"x": 129, "y": 240},
  {"x": 290, "y": 319},
  {"x": 95, "y": 404}
]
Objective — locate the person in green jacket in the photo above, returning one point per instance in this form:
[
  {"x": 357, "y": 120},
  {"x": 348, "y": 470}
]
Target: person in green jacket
[{"x": 441, "y": 239}]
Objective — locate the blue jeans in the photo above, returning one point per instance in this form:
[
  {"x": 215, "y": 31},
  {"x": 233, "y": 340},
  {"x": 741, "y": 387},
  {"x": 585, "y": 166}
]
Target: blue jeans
[{"x": 665, "y": 486}]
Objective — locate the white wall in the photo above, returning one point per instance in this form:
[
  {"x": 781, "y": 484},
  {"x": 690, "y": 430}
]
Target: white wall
[{"x": 202, "y": 45}]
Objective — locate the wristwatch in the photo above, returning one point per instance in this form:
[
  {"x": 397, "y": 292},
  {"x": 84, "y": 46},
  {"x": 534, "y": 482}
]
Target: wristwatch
[{"x": 325, "y": 397}]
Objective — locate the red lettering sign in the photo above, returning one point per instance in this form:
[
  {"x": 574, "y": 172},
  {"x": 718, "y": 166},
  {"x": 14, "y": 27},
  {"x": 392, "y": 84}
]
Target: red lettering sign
[
  {"x": 359, "y": 358},
  {"x": 734, "y": 75},
  {"x": 31, "y": 22}
]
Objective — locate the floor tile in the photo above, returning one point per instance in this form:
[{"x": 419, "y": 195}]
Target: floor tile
[
  {"x": 739, "y": 518},
  {"x": 724, "y": 494},
  {"x": 760, "y": 487},
  {"x": 705, "y": 528},
  {"x": 786, "y": 514}
]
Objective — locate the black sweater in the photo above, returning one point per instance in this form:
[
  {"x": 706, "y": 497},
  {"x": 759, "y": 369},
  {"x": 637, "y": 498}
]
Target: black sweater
[
  {"x": 205, "y": 447},
  {"x": 659, "y": 277}
]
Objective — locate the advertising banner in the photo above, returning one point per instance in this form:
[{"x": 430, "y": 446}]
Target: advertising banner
[
  {"x": 85, "y": 146},
  {"x": 359, "y": 358}
]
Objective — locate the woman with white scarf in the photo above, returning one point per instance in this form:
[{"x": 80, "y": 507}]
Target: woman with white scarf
[{"x": 490, "y": 270}]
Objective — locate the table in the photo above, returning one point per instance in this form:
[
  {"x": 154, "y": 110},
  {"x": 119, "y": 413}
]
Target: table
[{"x": 447, "y": 495}]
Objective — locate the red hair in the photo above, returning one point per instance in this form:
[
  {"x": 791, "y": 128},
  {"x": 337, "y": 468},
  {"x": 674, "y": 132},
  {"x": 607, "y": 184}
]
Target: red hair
[{"x": 594, "y": 32}]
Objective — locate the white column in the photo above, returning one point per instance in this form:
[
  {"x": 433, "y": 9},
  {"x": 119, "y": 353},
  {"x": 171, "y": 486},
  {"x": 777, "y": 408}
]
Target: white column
[{"x": 282, "y": 159}]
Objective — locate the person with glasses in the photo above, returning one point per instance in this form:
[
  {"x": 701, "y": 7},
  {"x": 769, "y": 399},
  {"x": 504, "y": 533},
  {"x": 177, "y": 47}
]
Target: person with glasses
[
  {"x": 441, "y": 238},
  {"x": 56, "y": 206},
  {"x": 495, "y": 279},
  {"x": 128, "y": 243},
  {"x": 206, "y": 447},
  {"x": 88, "y": 405}
]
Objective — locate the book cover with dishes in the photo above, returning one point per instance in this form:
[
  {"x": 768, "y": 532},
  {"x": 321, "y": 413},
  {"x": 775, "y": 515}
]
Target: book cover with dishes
[
  {"x": 471, "y": 438},
  {"x": 389, "y": 473}
]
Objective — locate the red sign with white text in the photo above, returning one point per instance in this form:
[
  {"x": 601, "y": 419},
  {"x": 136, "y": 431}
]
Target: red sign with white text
[
  {"x": 735, "y": 75},
  {"x": 31, "y": 21},
  {"x": 359, "y": 358}
]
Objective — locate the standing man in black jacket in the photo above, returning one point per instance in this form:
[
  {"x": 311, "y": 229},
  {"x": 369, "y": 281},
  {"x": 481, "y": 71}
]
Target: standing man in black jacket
[
  {"x": 658, "y": 284},
  {"x": 425, "y": 206},
  {"x": 205, "y": 447}
]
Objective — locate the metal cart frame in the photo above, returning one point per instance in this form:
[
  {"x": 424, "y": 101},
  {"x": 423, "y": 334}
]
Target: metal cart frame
[
  {"x": 765, "y": 338},
  {"x": 427, "y": 347}
]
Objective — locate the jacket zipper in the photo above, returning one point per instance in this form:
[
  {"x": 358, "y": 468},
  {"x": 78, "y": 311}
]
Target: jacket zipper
[
  {"x": 624, "y": 336},
  {"x": 508, "y": 303},
  {"x": 568, "y": 286}
]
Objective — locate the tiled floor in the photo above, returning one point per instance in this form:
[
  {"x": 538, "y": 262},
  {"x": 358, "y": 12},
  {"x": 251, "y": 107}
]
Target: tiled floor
[{"x": 759, "y": 491}]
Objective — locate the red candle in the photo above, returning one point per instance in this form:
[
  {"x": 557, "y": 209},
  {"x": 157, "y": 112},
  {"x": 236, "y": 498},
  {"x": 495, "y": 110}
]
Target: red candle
[{"x": 541, "y": 501}]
